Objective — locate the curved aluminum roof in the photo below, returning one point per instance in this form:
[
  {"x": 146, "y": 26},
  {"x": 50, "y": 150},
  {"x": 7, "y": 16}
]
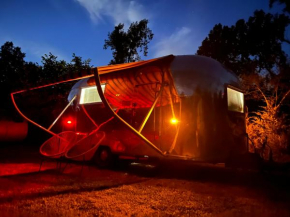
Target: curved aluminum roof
[{"x": 191, "y": 72}]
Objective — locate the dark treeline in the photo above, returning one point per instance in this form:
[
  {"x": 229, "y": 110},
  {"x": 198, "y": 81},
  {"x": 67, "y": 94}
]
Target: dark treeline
[
  {"x": 16, "y": 74},
  {"x": 41, "y": 105}
]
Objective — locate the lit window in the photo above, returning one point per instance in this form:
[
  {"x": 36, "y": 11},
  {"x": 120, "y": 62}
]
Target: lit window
[
  {"x": 91, "y": 95},
  {"x": 235, "y": 100}
]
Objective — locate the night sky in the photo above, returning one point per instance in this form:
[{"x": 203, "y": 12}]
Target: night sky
[{"x": 64, "y": 27}]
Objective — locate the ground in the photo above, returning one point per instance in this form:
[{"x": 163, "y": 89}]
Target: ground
[{"x": 178, "y": 189}]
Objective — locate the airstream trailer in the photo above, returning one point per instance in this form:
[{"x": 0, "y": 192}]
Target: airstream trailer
[{"x": 179, "y": 107}]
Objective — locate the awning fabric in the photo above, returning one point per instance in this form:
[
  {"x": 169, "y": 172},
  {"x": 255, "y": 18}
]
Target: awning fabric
[
  {"x": 135, "y": 85},
  {"x": 125, "y": 66}
]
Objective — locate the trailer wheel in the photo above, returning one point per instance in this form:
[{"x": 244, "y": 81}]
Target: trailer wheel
[{"x": 104, "y": 157}]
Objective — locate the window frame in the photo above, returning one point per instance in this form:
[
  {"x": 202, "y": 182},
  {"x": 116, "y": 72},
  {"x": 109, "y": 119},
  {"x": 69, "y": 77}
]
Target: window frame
[
  {"x": 87, "y": 87},
  {"x": 227, "y": 98}
]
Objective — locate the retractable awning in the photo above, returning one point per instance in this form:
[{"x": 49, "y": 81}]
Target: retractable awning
[{"x": 134, "y": 85}]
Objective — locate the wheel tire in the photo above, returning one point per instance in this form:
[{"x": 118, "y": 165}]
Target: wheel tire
[{"x": 104, "y": 158}]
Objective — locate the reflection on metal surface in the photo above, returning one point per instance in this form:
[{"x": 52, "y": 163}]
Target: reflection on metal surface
[{"x": 192, "y": 73}]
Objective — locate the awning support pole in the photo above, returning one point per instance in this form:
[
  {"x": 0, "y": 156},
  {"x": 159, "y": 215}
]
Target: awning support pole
[
  {"x": 104, "y": 100},
  {"x": 70, "y": 102},
  {"x": 31, "y": 121},
  {"x": 177, "y": 131},
  {"x": 172, "y": 107},
  {"x": 150, "y": 111},
  {"x": 89, "y": 117}
]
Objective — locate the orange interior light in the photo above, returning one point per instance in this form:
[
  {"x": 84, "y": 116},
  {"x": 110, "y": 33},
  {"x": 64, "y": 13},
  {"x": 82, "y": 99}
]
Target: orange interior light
[
  {"x": 173, "y": 121},
  {"x": 69, "y": 122}
]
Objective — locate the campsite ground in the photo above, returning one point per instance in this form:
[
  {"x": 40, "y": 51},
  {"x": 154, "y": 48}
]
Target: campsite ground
[{"x": 176, "y": 190}]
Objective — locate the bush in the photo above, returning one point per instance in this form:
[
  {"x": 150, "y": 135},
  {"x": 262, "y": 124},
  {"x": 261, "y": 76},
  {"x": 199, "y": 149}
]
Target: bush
[{"x": 268, "y": 131}]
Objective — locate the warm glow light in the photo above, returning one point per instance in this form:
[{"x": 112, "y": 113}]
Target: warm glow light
[
  {"x": 173, "y": 121},
  {"x": 69, "y": 122}
]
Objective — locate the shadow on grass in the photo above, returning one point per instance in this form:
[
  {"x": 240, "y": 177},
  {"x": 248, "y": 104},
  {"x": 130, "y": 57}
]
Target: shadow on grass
[
  {"x": 81, "y": 187},
  {"x": 274, "y": 186}
]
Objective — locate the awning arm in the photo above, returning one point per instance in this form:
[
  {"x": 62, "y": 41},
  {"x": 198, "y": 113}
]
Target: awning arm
[
  {"x": 31, "y": 121},
  {"x": 104, "y": 100},
  {"x": 172, "y": 107},
  {"x": 52, "y": 84},
  {"x": 62, "y": 112},
  {"x": 89, "y": 117},
  {"x": 151, "y": 109},
  {"x": 177, "y": 130}
]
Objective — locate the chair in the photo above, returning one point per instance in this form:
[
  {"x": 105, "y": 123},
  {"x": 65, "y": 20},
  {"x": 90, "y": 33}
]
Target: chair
[
  {"x": 85, "y": 148},
  {"x": 55, "y": 147}
]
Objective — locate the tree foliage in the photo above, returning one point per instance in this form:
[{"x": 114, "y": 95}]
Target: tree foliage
[
  {"x": 16, "y": 73},
  {"x": 77, "y": 64},
  {"x": 125, "y": 44},
  {"x": 11, "y": 65},
  {"x": 269, "y": 122},
  {"x": 249, "y": 46},
  {"x": 52, "y": 67},
  {"x": 285, "y": 2}
]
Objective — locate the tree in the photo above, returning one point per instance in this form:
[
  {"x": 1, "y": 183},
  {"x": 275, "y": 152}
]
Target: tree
[
  {"x": 269, "y": 122},
  {"x": 16, "y": 73},
  {"x": 11, "y": 75},
  {"x": 11, "y": 66},
  {"x": 52, "y": 68},
  {"x": 249, "y": 46},
  {"x": 77, "y": 64},
  {"x": 286, "y": 2},
  {"x": 125, "y": 44}
]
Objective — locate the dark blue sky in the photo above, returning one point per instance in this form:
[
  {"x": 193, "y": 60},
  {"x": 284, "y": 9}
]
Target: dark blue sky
[{"x": 64, "y": 27}]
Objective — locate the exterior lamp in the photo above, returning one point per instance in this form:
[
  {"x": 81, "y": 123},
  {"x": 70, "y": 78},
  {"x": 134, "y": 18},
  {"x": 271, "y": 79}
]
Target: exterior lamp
[
  {"x": 173, "y": 121},
  {"x": 69, "y": 122}
]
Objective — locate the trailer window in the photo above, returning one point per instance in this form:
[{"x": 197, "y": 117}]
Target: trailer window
[
  {"x": 91, "y": 95},
  {"x": 235, "y": 100}
]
